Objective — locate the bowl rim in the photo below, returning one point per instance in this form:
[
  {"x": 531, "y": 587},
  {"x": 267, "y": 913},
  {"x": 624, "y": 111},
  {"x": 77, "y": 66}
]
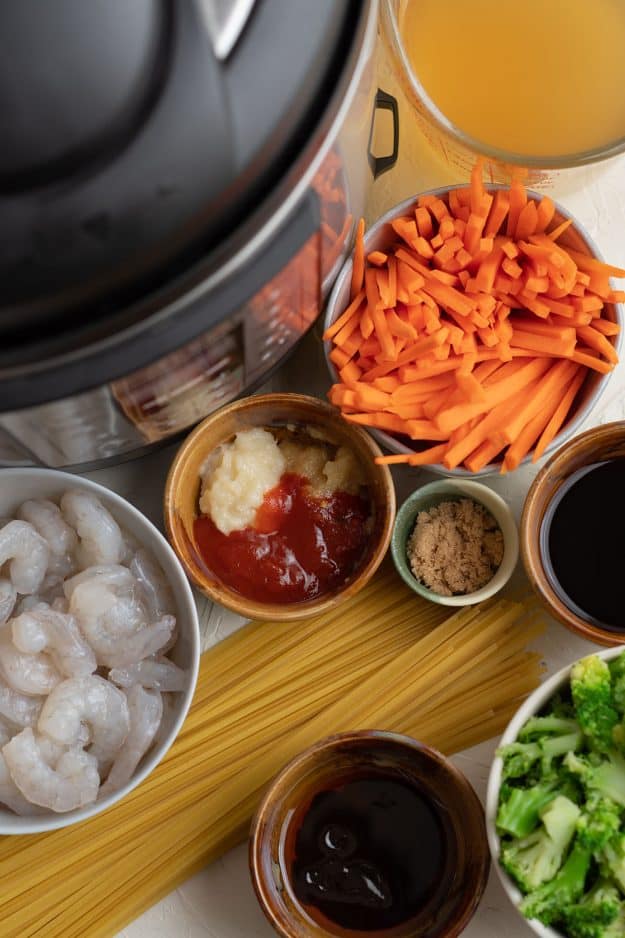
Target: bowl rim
[
  {"x": 287, "y": 612},
  {"x": 297, "y": 767},
  {"x": 531, "y": 705},
  {"x": 485, "y": 496},
  {"x": 387, "y": 440},
  {"x": 530, "y": 541},
  {"x": 114, "y": 501}
]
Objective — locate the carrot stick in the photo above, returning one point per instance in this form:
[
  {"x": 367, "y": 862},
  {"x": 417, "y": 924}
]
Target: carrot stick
[
  {"x": 547, "y": 387},
  {"x": 606, "y": 326},
  {"x": 344, "y": 318},
  {"x": 518, "y": 199},
  {"x": 459, "y": 451},
  {"x": 358, "y": 264},
  {"x": 559, "y": 415},
  {"x": 598, "y": 342},
  {"x": 563, "y": 347},
  {"x": 544, "y": 213},
  {"x": 428, "y": 457},
  {"x": 482, "y": 456},
  {"x": 555, "y": 234},
  {"x": 584, "y": 356},
  {"x": 498, "y": 212},
  {"x": 528, "y": 219},
  {"x": 523, "y": 443}
]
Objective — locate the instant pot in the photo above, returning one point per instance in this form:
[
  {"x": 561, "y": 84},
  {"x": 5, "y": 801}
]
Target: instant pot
[{"x": 179, "y": 183}]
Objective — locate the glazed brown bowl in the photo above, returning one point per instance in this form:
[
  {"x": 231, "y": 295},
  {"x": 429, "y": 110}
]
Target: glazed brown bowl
[
  {"x": 182, "y": 493},
  {"x": 346, "y": 757},
  {"x": 595, "y": 445}
]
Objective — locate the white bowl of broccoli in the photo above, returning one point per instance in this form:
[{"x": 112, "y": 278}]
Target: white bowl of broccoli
[{"x": 555, "y": 802}]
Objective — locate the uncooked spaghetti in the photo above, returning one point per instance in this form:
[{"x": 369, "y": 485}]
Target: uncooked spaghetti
[{"x": 383, "y": 660}]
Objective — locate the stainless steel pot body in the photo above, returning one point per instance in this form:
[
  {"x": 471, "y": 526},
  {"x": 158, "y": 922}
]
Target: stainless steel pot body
[{"x": 318, "y": 205}]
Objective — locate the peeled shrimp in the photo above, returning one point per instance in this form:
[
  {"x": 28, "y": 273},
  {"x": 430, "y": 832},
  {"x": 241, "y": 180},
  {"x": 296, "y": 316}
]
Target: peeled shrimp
[
  {"x": 45, "y": 629},
  {"x": 146, "y": 710},
  {"x": 28, "y": 553},
  {"x": 91, "y": 701},
  {"x": 10, "y": 795},
  {"x": 48, "y": 521},
  {"x": 158, "y": 673},
  {"x": 8, "y": 595},
  {"x": 107, "y": 574},
  {"x": 20, "y": 709},
  {"x": 101, "y": 539},
  {"x": 156, "y": 591},
  {"x": 69, "y": 783},
  {"x": 116, "y": 626},
  {"x": 28, "y": 674}
]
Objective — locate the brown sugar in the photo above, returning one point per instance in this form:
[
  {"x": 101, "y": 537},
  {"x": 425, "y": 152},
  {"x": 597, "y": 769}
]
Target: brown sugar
[{"x": 455, "y": 547}]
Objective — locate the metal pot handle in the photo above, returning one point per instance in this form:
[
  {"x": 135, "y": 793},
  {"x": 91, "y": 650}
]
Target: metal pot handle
[{"x": 379, "y": 164}]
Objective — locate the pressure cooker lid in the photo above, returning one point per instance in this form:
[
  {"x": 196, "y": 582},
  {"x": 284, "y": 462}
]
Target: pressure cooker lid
[{"x": 137, "y": 136}]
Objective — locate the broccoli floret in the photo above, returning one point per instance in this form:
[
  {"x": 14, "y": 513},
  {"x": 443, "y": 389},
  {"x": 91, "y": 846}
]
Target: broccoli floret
[
  {"x": 535, "y": 859},
  {"x": 549, "y": 902},
  {"x": 591, "y": 687},
  {"x": 520, "y": 813},
  {"x": 607, "y": 777},
  {"x": 613, "y": 860},
  {"x": 617, "y": 672},
  {"x": 521, "y": 758},
  {"x": 548, "y": 725},
  {"x": 589, "y": 917},
  {"x": 599, "y": 821}
]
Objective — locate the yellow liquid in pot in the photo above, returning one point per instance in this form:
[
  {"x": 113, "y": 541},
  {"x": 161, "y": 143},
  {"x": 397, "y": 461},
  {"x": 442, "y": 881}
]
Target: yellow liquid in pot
[{"x": 532, "y": 77}]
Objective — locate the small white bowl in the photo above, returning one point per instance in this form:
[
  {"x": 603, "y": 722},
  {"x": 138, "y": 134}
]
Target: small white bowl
[
  {"x": 380, "y": 235},
  {"x": 446, "y": 490},
  {"x": 17, "y": 485},
  {"x": 535, "y": 702}
]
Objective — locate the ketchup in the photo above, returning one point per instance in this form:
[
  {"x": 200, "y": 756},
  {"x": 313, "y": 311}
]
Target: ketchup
[{"x": 300, "y": 546}]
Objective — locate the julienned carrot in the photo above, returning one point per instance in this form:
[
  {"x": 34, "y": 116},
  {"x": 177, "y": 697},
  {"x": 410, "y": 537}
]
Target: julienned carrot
[
  {"x": 358, "y": 264},
  {"x": 427, "y": 347}
]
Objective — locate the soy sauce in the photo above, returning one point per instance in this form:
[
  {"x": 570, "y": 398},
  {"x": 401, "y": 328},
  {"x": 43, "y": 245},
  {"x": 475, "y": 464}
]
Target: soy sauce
[
  {"x": 368, "y": 854},
  {"x": 583, "y": 543}
]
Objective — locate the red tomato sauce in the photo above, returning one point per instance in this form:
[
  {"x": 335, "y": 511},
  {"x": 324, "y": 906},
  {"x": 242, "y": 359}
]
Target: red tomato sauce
[{"x": 301, "y": 545}]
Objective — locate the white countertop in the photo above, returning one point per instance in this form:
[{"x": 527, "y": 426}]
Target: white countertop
[{"x": 219, "y": 902}]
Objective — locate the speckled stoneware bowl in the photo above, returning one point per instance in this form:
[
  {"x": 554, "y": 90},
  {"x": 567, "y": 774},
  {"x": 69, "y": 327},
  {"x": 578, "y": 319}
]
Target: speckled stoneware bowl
[
  {"x": 432, "y": 494},
  {"x": 378, "y": 238},
  {"x": 182, "y": 493},
  {"x": 363, "y": 754}
]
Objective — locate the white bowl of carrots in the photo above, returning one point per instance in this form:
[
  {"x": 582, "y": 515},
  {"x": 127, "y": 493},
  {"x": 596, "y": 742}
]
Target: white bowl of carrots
[{"x": 474, "y": 329}]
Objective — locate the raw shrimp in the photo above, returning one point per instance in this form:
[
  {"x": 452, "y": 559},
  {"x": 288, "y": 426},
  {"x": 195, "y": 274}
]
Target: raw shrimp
[
  {"x": 156, "y": 591},
  {"x": 146, "y": 710},
  {"x": 10, "y": 795},
  {"x": 100, "y": 536},
  {"x": 107, "y": 574},
  {"x": 20, "y": 709},
  {"x": 91, "y": 701},
  {"x": 48, "y": 521},
  {"x": 28, "y": 553},
  {"x": 45, "y": 629},
  {"x": 69, "y": 784},
  {"x": 158, "y": 673},
  {"x": 116, "y": 625},
  {"x": 28, "y": 674},
  {"x": 8, "y": 595}
]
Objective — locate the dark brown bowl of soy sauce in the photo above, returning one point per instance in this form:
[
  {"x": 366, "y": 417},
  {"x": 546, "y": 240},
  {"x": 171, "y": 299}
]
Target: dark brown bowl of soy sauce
[
  {"x": 573, "y": 534},
  {"x": 369, "y": 834}
]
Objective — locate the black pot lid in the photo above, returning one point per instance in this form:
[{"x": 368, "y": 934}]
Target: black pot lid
[{"x": 137, "y": 136}]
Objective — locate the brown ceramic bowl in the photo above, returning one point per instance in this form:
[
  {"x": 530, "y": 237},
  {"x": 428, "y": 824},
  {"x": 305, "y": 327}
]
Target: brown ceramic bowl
[
  {"x": 346, "y": 757},
  {"x": 273, "y": 410},
  {"x": 599, "y": 443}
]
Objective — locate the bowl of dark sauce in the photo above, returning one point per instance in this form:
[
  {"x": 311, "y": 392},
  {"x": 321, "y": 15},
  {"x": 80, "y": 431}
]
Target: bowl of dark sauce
[
  {"x": 369, "y": 834},
  {"x": 573, "y": 534}
]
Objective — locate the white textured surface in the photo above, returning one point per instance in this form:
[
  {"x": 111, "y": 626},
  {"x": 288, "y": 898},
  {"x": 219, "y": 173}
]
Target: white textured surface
[{"x": 219, "y": 902}]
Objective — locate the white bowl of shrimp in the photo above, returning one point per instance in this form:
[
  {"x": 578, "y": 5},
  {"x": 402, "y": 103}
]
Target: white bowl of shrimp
[{"x": 99, "y": 649}]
